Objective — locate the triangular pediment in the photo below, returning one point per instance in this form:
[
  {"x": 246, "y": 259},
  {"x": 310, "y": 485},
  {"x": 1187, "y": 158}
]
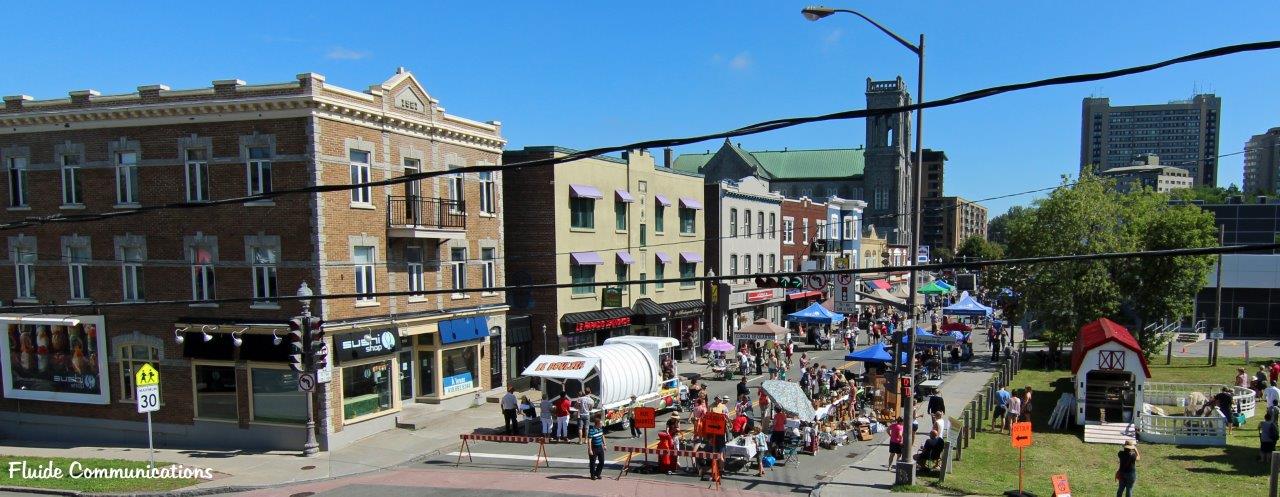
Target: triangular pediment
[{"x": 406, "y": 92}]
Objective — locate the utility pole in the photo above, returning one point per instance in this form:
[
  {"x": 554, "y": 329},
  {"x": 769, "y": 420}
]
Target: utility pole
[{"x": 1217, "y": 321}]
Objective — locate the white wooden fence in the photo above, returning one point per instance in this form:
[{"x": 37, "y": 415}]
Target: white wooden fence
[
  {"x": 1175, "y": 394},
  {"x": 1182, "y": 430}
]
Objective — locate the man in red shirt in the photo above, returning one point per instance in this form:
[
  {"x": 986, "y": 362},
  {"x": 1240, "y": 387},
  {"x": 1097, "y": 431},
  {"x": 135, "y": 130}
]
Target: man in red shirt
[
  {"x": 779, "y": 435},
  {"x": 1275, "y": 370},
  {"x": 562, "y": 417}
]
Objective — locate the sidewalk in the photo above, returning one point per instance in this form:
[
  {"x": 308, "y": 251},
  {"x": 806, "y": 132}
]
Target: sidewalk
[{"x": 239, "y": 470}]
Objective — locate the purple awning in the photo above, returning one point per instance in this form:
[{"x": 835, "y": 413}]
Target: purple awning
[
  {"x": 625, "y": 257},
  {"x": 688, "y": 257},
  {"x": 663, "y": 257},
  {"x": 586, "y": 258},
  {"x": 584, "y": 191},
  {"x": 662, "y": 200},
  {"x": 690, "y": 203},
  {"x": 624, "y": 196}
]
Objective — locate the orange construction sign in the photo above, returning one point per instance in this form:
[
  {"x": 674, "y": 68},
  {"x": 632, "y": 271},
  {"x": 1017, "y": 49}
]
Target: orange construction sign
[
  {"x": 1060, "y": 486},
  {"x": 644, "y": 417},
  {"x": 713, "y": 424},
  {"x": 1021, "y": 435}
]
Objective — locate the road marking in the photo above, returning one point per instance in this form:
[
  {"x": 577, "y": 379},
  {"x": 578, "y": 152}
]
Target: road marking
[{"x": 566, "y": 460}]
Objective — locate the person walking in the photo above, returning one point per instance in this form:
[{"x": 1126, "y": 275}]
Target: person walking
[
  {"x": 1271, "y": 394},
  {"x": 1267, "y": 436},
  {"x": 895, "y": 441},
  {"x": 1026, "y": 404},
  {"x": 562, "y": 406},
  {"x": 764, "y": 405},
  {"x": 1002, "y": 402},
  {"x": 631, "y": 416},
  {"x": 547, "y": 410},
  {"x": 1242, "y": 378},
  {"x": 595, "y": 450},
  {"x": 1127, "y": 473},
  {"x": 1013, "y": 411},
  {"x": 509, "y": 409},
  {"x": 742, "y": 387},
  {"x": 585, "y": 405}
]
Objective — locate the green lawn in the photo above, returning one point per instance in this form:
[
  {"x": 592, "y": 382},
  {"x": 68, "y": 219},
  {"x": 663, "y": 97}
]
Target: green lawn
[
  {"x": 66, "y": 482},
  {"x": 990, "y": 465}
]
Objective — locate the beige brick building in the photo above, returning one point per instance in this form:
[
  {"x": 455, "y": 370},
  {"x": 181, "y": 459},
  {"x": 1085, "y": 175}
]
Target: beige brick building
[{"x": 226, "y": 382}]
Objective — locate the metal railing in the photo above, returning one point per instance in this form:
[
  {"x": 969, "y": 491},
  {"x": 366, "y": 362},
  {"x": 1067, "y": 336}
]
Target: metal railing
[{"x": 426, "y": 212}]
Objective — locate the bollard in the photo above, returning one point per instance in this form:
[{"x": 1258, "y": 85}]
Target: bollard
[
  {"x": 973, "y": 427},
  {"x": 978, "y": 406},
  {"x": 1275, "y": 475},
  {"x": 1168, "y": 356},
  {"x": 963, "y": 440}
]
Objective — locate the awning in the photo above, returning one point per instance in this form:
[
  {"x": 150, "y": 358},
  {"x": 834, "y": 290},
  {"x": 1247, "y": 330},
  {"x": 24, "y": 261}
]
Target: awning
[
  {"x": 649, "y": 312},
  {"x": 804, "y": 294},
  {"x": 463, "y": 330},
  {"x": 663, "y": 257},
  {"x": 690, "y": 257},
  {"x": 684, "y": 308},
  {"x": 34, "y": 318},
  {"x": 562, "y": 367},
  {"x": 586, "y": 258},
  {"x": 662, "y": 200},
  {"x": 689, "y": 203},
  {"x": 584, "y": 191},
  {"x": 625, "y": 257},
  {"x": 624, "y": 196},
  {"x": 615, "y": 317},
  {"x": 519, "y": 330},
  {"x": 879, "y": 284}
]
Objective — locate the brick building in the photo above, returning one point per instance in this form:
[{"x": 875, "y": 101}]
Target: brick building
[
  {"x": 225, "y": 380},
  {"x": 804, "y": 236}
]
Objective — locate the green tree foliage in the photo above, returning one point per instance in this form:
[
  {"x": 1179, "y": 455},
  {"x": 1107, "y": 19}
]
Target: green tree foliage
[
  {"x": 976, "y": 247},
  {"x": 1090, "y": 217},
  {"x": 998, "y": 227}
]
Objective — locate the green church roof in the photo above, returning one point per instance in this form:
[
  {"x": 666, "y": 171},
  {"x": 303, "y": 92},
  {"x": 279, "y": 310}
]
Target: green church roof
[{"x": 788, "y": 164}]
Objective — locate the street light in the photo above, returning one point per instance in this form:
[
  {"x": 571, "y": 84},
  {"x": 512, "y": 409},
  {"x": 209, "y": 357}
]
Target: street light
[
  {"x": 310, "y": 448},
  {"x": 906, "y": 473}
]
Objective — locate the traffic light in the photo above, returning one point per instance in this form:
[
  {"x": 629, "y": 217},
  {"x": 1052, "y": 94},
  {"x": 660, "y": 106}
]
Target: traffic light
[
  {"x": 884, "y": 258},
  {"x": 792, "y": 282},
  {"x": 297, "y": 347},
  {"x": 767, "y": 283},
  {"x": 319, "y": 350}
]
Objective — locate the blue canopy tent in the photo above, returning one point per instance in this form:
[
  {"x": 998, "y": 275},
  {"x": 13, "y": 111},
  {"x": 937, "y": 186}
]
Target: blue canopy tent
[
  {"x": 926, "y": 339},
  {"x": 874, "y": 353},
  {"x": 815, "y": 314},
  {"x": 966, "y": 305},
  {"x": 945, "y": 285}
]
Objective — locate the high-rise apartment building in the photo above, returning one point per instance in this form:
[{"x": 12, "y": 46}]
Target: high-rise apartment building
[
  {"x": 1184, "y": 133},
  {"x": 1262, "y": 163}
]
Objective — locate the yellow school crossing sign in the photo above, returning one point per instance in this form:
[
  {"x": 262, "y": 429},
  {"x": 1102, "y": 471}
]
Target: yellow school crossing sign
[{"x": 146, "y": 375}]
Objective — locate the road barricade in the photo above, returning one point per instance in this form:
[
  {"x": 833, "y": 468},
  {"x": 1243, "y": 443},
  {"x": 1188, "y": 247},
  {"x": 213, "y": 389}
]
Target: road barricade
[
  {"x": 540, "y": 459},
  {"x": 716, "y": 459}
]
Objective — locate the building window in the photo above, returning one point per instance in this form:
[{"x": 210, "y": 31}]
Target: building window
[
  {"x": 131, "y": 272},
  {"x": 127, "y": 185},
  {"x": 621, "y": 271},
  {"x": 360, "y": 176},
  {"x": 759, "y": 263},
  {"x": 805, "y": 232},
  {"x": 833, "y": 228},
  {"x": 488, "y": 195},
  {"x": 413, "y": 264},
  {"x": 848, "y": 228},
  {"x": 688, "y": 270},
  {"x": 788, "y": 230},
  {"x": 773, "y": 225},
  {"x": 458, "y": 266},
  {"x": 788, "y": 264},
  {"x": 24, "y": 272},
  {"x": 660, "y": 270},
  {"x": 659, "y": 217},
  {"x": 583, "y": 274},
  {"x": 619, "y": 215},
  {"x": 687, "y": 221},
  {"x": 773, "y": 263},
  {"x": 215, "y": 392},
  {"x": 276, "y": 398},
  {"x": 17, "y": 181},
  {"x": 746, "y": 264},
  {"x": 133, "y": 357},
  {"x": 733, "y": 265},
  {"x": 259, "y": 172},
  {"x": 881, "y": 198},
  {"x": 202, "y": 276},
  {"x": 644, "y": 288},
  {"x": 366, "y": 389},
  {"x": 264, "y": 273},
  {"x": 760, "y": 224},
  {"x": 77, "y": 264},
  {"x": 460, "y": 362},
  {"x": 197, "y": 168},
  {"x": 582, "y": 212},
  {"x": 746, "y": 223},
  {"x": 456, "y": 193},
  {"x": 489, "y": 276},
  {"x": 644, "y": 236},
  {"x": 362, "y": 258},
  {"x": 72, "y": 192}
]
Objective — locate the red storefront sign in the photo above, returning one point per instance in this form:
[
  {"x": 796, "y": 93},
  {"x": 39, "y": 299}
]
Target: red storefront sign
[
  {"x": 602, "y": 324},
  {"x": 759, "y": 295}
]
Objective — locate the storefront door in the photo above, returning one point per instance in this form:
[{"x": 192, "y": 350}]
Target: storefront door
[
  {"x": 406, "y": 374},
  {"x": 426, "y": 372},
  {"x": 495, "y": 361}
]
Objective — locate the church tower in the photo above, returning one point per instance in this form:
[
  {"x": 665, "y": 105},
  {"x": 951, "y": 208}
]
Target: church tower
[{"x": 886, "y": 175}]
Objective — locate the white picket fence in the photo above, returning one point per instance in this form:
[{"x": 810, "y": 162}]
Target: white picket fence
[
  {"x": 1182, "y": 430},
  {"x": 1175, "y": 394}
]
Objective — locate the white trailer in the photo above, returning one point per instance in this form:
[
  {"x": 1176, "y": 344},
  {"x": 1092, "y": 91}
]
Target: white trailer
[{"x": 622, "y": 367}]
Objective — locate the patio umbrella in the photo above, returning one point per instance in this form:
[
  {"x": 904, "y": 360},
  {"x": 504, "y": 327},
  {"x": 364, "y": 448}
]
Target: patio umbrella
[
  {"x": 790, "y": 398},
  {"x": 761, "y": 329},
  {"x": 718, "y": 345},
  {"x": 933, "y": 288}
]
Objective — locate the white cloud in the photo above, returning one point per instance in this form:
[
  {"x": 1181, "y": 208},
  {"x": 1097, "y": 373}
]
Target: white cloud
[
  {"x": 341, "y": 53},
  {"x": 741, "y": 62}
]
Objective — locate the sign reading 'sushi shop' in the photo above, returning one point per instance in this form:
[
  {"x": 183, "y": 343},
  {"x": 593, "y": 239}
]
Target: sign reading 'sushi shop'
[{"x": 364, "y": 345}]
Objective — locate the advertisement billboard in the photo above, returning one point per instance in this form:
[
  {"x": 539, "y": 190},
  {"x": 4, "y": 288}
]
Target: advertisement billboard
[{"x": 56, "y": 358}]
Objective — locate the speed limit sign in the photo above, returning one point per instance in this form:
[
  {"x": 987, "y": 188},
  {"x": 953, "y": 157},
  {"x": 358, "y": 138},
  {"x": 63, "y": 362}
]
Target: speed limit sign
[{"x": 148, "y": 398}]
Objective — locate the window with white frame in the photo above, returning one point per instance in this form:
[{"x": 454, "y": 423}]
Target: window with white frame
[
  {"x": 363, "y": 258},
  {"x": 413, "y": 267},
  {"x": 805, "y": 232},
  {"x": 489, "y": 275},
  {"x": 746, "y": 223},
  {"x": 833, "y": 228},
  {"x": 733, "y": 223},
  {"x": 259, "y": 172},
  {"x": 733, "y": 265},
  {"x": 788, "y": 230},
  {"x": 848, "y": 228},
  {"x": 881, "y": 198},
  {"x": 203, "y": 282},
  {"x": 488, "y": 194},
  {"x": 773, "y": 263},
  {"x": 127, "y": 184},
  {"x": 788, "y": 264},
  {"x": 759, "y": 263},
  {"x": 456, "y": 192},
  {"x": 131, "y": 272},
  {"x": 360, "y": 176},
  {"x": 77, "y": 265},
  {"x": 72, "y": 190},
  {"x": 760, "y": 224},
  {"x": 133, "y": 357},
  {"x": 746, "y": 264},
  {"x": 265, "y": 259},
  {"x": 458, "y": 266},
  {"x": 773, "y": 225},
  {"x": 17, "y": 182},
  {"x": 24, "y": 269},
  {"x": 197, "y": 169}
]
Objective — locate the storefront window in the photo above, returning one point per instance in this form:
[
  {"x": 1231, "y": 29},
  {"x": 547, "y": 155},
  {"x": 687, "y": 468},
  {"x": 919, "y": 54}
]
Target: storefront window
[
  {"x": 276, "y": 398},
  {"x": 578, "y": 340},
  {"x": 458, "y": 369},
  {"x": 426, "y": 372},
  {"x": 216, "y": 392},
  {"x": 366, "y": 389}
]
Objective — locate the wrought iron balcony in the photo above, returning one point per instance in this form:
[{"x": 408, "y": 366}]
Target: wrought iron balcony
[{"x": 425, "y": 217}]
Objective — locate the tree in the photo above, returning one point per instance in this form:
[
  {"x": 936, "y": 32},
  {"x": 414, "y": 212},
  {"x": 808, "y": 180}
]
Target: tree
[
  {"x": 998, "y": 227},
  {"x": 976, "y": 247}
]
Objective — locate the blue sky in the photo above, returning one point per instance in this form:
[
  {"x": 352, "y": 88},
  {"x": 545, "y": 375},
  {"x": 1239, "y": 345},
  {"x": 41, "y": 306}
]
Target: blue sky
[{"x": 556, "y": 73}]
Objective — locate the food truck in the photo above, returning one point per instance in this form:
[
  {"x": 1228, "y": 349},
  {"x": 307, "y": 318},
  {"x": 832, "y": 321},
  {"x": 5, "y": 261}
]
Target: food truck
[{"x": 622, "y": 367}]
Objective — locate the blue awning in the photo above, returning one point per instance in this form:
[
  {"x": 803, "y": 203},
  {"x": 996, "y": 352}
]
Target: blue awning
[{"x": 463, "y": 330}]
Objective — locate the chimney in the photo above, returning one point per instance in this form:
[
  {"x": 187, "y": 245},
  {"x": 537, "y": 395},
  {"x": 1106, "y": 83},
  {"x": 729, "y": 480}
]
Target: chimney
[
  {"x": 14, "y": 102},
  {"x": 227, "y": 87},
  {"x": 82, "y": 97},
  {"x": 666, "y": 157},
  {"x": 151, "y": 92}
]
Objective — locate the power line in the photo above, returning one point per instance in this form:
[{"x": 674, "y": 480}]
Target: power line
[
  {"x": 670, "y": 142},
  {"x": 547, "y": 286}
]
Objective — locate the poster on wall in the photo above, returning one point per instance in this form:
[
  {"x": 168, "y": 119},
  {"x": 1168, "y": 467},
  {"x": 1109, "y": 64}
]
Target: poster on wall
[{"x": 55, "y": 358}]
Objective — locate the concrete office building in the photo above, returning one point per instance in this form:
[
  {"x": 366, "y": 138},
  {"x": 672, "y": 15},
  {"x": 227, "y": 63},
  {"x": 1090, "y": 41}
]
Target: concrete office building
[
  {"x": 743, "y": 216},
  {"x": 1184, "y": 133},
  {"x": 1146, "y": 171},
  {"x": 1262, "y": 163},
  {"x": 951, "y": 221}
]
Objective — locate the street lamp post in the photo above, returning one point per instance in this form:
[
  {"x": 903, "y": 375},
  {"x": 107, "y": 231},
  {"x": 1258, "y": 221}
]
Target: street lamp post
[
  {"x": 310, "y": 448},
  {"x": 906, "y": 468}
]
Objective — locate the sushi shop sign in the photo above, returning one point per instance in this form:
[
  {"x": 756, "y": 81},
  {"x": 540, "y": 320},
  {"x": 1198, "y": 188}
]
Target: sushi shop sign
[{"x": 355, "y": 346}]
